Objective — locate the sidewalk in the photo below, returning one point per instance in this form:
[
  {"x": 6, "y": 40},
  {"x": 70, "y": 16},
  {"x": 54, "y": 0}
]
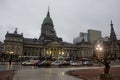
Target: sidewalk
[
  {"x": 92, "y": 74},
  {"x": 6, "y": 75}
]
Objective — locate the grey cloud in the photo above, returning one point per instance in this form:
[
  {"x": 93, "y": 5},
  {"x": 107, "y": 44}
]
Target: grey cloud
[{"x": 70, "y": 16}]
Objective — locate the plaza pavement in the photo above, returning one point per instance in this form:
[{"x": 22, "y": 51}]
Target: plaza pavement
[{"x": 87, "y": 73}]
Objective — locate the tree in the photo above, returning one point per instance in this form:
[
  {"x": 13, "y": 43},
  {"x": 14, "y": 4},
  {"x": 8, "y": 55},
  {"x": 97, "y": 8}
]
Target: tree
[{"x": 105, "y": 59}]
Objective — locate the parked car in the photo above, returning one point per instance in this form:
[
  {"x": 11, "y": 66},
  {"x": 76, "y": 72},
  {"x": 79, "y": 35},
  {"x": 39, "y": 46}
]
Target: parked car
[
  {"x": 29, "y": 62},
  {"x": 44, "y": 63},
  {"x": 56, "y": 63},
  {"x": 75, "y": 63},
  {"x": 36, "y": 63},
  {"x": 64, "y": 63},
  {"x": 89, "y": 63}
]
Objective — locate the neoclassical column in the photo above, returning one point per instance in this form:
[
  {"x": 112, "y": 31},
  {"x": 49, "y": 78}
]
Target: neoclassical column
[
  {"x": 34, "y": 51},
  {"x": 44, "y": 51},
  {"x": 31, "y": 51},
  {"x": 28, "y": 51}
]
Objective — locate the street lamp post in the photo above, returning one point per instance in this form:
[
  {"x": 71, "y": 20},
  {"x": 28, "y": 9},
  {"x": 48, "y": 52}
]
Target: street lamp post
[
  {"x": 10, "y": 60},
  {"x": 99, "y": 50},
  {"x": 20, "y": 57}
]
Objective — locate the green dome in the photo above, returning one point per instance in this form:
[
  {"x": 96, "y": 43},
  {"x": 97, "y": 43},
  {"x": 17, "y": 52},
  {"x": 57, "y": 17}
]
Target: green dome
[{"x": 47, "y": 20}]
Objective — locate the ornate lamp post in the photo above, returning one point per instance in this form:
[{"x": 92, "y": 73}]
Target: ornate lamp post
[
  {"x": 58, "y": 57},
  {"x": 10, "y": 60},
  {"x": 99, "y": 50},
  {"x": 20, "y": 58}
]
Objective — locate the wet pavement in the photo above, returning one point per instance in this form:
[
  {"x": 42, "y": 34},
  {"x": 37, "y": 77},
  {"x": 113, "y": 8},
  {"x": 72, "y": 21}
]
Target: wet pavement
[
  {"x": 47, "y": 73},
  {"x": 5, "y": 66},
  {"x": 37, "y": 73},
  {"x": 44, "y": 74}
]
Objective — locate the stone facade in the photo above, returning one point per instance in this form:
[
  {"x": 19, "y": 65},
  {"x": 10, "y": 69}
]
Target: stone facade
[
  {"x": 85, "y": 50},
  {"x": 48, "y": 44},
  {"x": 1, "y": 47},
  {"x": 13, "y": 43}
]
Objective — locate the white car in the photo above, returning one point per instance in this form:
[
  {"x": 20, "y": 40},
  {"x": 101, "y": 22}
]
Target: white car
[
  {"x": 88, "y": 63},
  {"x": 75, "y": 63},
  {"x": 29, "y": 62},
  {"x": 56, "y": 63}
]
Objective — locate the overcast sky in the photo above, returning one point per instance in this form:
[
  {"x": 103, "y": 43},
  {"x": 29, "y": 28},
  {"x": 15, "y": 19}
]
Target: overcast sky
[{"x": 69, "y": 17}]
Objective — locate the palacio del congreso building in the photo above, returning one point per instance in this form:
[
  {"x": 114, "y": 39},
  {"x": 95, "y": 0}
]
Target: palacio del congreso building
[{"x": 48, "y": 44}]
